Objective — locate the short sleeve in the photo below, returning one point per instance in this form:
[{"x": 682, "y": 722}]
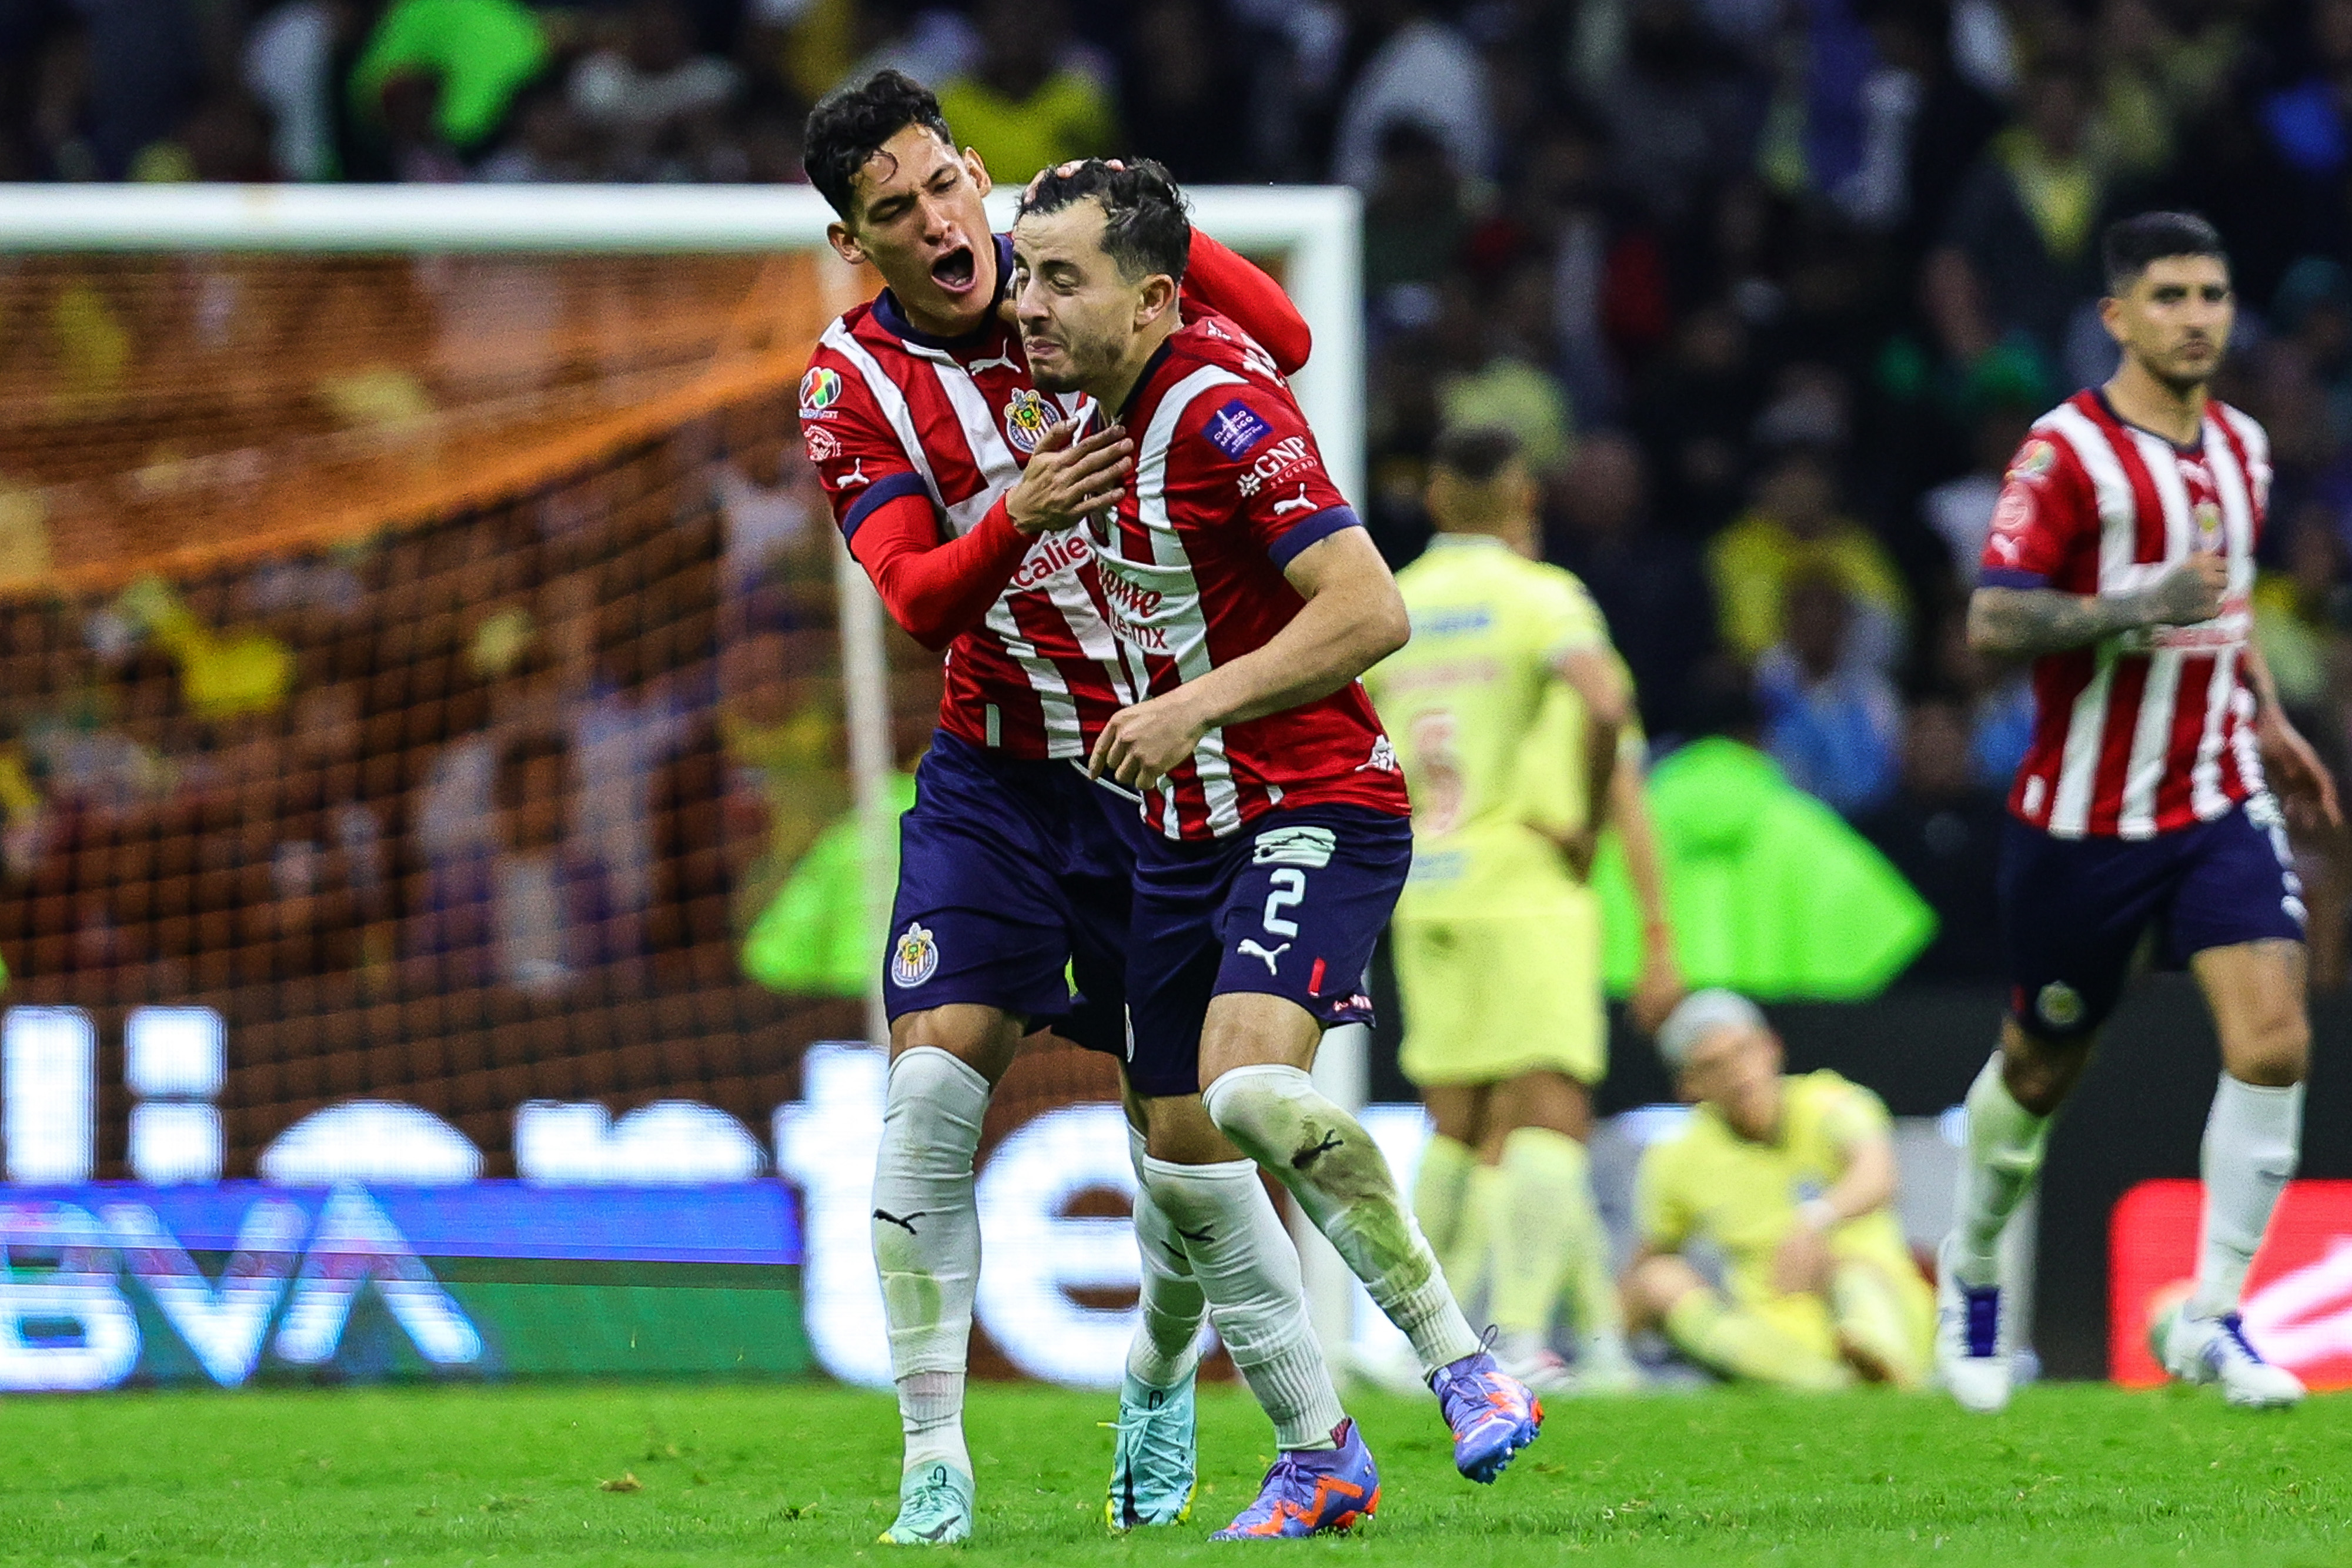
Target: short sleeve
[
  {"x": 1850, "y": 1113},
  {"x": 1567, "y": 620},
  {"x": 2046, "y": 515},
  {"x": 1249, "y": 457},
  {"x": 851, "y": 446},
  {"x": 1660, "y": 1213}
]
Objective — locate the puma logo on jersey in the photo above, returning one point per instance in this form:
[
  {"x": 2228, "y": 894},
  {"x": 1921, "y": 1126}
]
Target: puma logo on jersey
[
  {"x": 1000, "y": 362},
  {"x": 1249, "y": 945},
  {"x": 1298, "y": 503},
  {"x": 857, "y": 475}
]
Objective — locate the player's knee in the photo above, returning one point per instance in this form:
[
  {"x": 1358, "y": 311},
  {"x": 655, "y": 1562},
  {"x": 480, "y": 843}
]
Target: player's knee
[
  {"x": 1652, "y": 1286},
  {"x": 982, "y": 1038},
  {"x": 2039, "y": 1072},
  {"x": 2272, "y": 1051}
]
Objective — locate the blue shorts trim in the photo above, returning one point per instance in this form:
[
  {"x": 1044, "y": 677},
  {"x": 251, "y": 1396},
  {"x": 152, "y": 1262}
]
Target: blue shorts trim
[
  {"x": 1291, "y": 906},
  {"x": 2073, "y": 911},
  {"x": 1014, "y": 878}
]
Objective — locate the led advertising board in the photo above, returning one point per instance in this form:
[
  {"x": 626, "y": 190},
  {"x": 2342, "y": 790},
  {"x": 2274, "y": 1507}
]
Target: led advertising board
[{"x": 2298, "y": 1307}]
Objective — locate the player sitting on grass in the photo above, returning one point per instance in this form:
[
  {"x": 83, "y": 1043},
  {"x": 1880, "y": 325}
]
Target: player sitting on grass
[
  {"x": 1792, "y": 1179},
  {"x": 1247, "y": 598},
  {"x": 1516, "y": 731}
]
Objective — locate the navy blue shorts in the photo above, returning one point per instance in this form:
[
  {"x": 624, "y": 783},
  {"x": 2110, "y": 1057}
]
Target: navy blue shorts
[
  {"x": 1290, "y": 907},
  {"x": 1014, "y": 878},
  {"x": 2074, "y": 910}
]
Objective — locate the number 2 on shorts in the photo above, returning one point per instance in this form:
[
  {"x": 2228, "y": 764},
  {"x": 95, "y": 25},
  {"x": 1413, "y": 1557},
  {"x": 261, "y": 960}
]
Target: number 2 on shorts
[{"x": 1289, "y": 887}]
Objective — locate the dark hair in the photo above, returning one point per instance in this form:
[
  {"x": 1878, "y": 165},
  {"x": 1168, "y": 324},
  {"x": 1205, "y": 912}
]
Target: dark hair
[
  {"x": 1144, "y": 230},
  {"x": 1474, "y": 453},
  {"x": 849, "y": 125},
  {"x": 2132, "y": 242}
]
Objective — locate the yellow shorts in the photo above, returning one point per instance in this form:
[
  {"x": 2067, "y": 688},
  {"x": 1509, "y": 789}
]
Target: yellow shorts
[
  {"x": 1487, "y": 1000},
  {"x": 1810, "y": 1320}
]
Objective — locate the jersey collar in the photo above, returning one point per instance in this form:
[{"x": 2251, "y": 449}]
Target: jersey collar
[
  {"x": 1144, "y": 382},
  {"x": 1466, "y": 542},
  {"x": 893, "y": 319},
  {"x": 2195, "y": 449}
]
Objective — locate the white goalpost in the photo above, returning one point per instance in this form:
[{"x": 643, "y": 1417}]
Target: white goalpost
[{"x": 1312, "y": 234}]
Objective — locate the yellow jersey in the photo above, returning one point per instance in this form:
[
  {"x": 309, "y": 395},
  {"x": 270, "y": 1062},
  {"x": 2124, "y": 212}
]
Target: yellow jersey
[
  {"x": 1707, "y": 1182},
  {"x": 1488, "y": 735}
]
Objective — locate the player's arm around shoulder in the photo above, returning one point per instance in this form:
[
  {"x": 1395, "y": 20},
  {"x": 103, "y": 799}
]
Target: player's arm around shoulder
[{"x": 2047, "y": 516}]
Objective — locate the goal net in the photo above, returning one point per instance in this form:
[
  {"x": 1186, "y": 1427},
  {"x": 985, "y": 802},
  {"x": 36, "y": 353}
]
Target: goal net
[{"x": 432, "y": 700}]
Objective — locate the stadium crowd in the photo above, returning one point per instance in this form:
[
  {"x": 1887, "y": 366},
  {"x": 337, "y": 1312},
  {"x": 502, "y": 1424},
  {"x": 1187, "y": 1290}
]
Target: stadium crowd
[{"x": 1768, "y": 292}]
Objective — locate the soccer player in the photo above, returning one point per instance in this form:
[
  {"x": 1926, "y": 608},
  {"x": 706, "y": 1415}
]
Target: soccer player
[
  {"x": 955, "y": 482},
  {"x": 1247, "y": 600},
  {"x": 1515, "y": 722},
  {"x": 1791, "y": 1179},
  {"x": 2120, "y": 562}
]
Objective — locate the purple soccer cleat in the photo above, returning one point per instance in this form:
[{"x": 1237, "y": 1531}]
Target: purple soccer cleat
[
  {"x": 1493, "y": 1415},
  {"x": 1310, "y": 1491}
]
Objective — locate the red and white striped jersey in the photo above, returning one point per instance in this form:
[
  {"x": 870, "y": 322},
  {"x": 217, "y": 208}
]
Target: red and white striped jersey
[
  {"x": 1228, "y": 489},
  {"x": 887, "y": 412},
  {"x": 2149, "y": 731}
]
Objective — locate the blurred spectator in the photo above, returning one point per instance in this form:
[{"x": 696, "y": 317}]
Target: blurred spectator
[
  {"x": 294, "y": 62},
  {"x": 142, "y": 69},
  {"x": 1694, "y": 415},
  {"x": 1420, "y": 71},
  {"x": 550, "y": 142},
  {"x": 1679, "y": 112},
  {"x": 1413, "y": 221},
  {"x": 1027, "y": 104},
  {"x": 1504, "y": 375},
  {"x": 1942, "y": 830},
  {"x": 1830, "y": 720},
  {"x": 1959, "y": 510},
  {"x": 2019, "y": 253},
  {"x": 476, "y": 55},
  {"x": 2313, "y": 310},
  {"x": 1794, "y": 529},
  {"x": 1652, "y": 586},
  {"x": 1185, "y": 90},
  {"x": 654, "y": 99}
]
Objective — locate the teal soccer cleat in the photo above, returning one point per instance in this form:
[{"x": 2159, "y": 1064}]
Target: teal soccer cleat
[
  {"x": 934, "y": 1507},
  {"x": 1152, "y": 1466}
]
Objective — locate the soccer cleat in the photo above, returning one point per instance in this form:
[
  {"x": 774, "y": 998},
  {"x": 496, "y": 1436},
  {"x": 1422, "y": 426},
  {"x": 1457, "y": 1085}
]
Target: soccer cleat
[
  {"x": 1151, "y": 1461},
  {"x": 934, "y": 1507},
  {"x": 2215, "y": 1349},
  {"x": 1969, "y": 1356},
  {"x": 1311, "y": 1491},
  {"x": 1492, "y": 1415}
]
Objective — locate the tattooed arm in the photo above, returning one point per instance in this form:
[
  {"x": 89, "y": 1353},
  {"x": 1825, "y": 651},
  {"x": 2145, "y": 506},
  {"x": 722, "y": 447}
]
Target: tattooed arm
[{"x": 2027, "y": 622}]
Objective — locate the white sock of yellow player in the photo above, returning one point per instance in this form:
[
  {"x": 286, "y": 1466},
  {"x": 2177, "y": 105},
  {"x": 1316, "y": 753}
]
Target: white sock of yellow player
[
  {"x": 1245, "y": 1265},
  {"x": 1745, "y": 1344},
  {"x": 1871, "y": 1318},
  {"x": 2254, "y": 1137},
  {"x": 2002, "y": 1163},
  {"x": 1593, "y": 1303},
  {"x": 1468, "y": 1263},
  {"x": 1538, "y": 1218},
  {"x": 1442, "y": 1207},
  {"x": 1274, "y": 1113},
  {"x": 1165, "y": 1348},
  {"x": 927, "y": 1243}
]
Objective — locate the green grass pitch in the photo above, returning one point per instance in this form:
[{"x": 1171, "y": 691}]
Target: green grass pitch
[{"x": 730, "y": 1475}]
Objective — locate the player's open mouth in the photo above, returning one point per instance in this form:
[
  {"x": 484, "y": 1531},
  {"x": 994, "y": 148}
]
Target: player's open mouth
[{"x": 954, "y": 271}]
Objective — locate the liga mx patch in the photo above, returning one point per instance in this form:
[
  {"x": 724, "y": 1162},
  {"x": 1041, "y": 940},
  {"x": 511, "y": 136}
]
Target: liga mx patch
[{"x": 1236, "y": 428}]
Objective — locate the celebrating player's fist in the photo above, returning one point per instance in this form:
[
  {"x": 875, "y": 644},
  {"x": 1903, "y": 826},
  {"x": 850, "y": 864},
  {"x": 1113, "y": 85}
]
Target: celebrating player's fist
[
  {"x": 1068, "y": 477},
  {"x": 2190, "y": 594}
]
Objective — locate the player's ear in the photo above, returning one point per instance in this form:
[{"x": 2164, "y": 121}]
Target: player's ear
[
  {"x": 2111, "y": 317},
  {"x": 977, "y": 167},
  {"x": 844, "y": 244},
  {"x": 1159, "y": 298}
]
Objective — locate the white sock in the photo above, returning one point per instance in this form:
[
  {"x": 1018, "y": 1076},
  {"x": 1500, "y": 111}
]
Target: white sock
[
  {"x": 2252, "y": 1136},
  {"x": 2003, "y": 1161},
  {"x": 927, "y": 1243},
  {"x": 1335, "y": 1171},
  {"x": 1244, "y": 1262},
  {"x": 1166, "y": 1349}
]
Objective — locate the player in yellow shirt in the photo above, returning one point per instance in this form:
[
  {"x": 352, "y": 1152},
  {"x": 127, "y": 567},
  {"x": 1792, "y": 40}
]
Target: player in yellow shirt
[
  {"x": 1512, "y": 715},
  {"x": 1791, "y": 1178}
]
